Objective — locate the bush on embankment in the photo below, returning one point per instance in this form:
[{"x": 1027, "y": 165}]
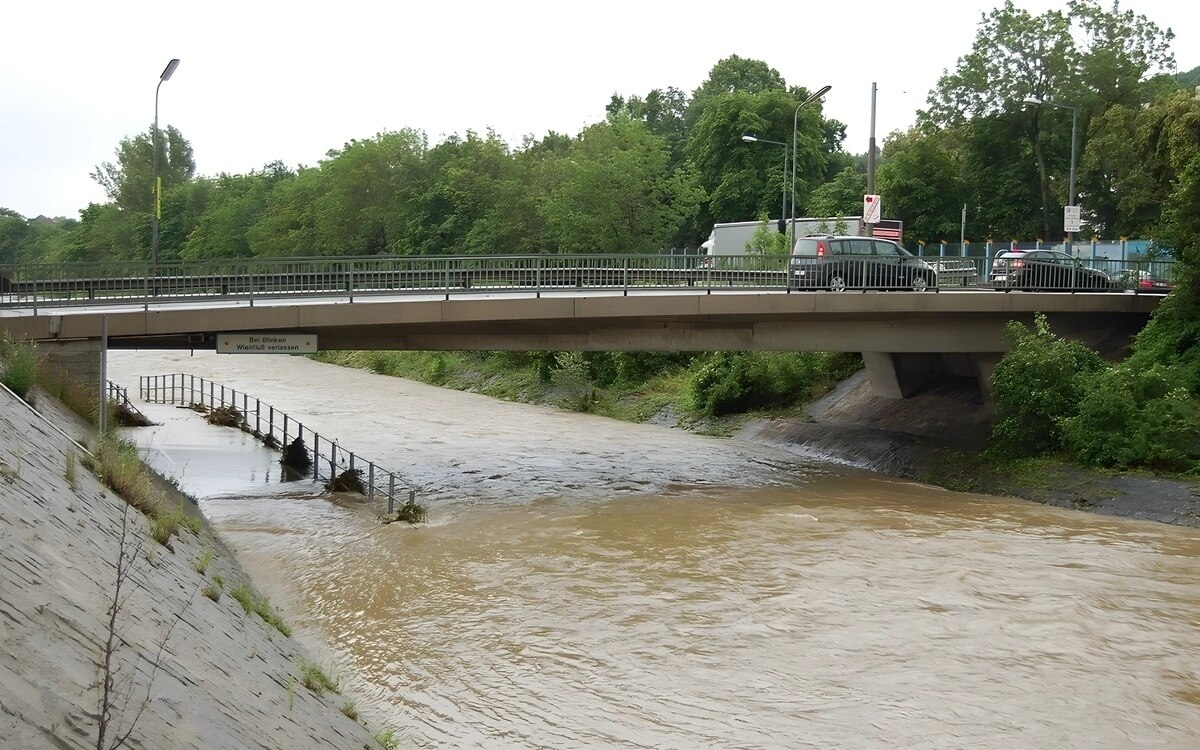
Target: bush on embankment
[
  {"x": 20, "y": 365},
  {"x": 736, "y": 382},
  {"x": 631, "y": 386},
  {"x": 1054, "y": 396}
]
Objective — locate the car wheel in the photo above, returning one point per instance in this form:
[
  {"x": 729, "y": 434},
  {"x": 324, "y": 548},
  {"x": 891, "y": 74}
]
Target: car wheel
[
  {"x": 918, "y": 283},
  {"x": 837, "y": 283}
]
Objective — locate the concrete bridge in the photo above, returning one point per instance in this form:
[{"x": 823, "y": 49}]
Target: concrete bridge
[{"x": 905, "y": 337}]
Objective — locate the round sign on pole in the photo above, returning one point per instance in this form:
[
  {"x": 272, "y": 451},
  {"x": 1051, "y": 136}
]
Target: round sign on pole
[{"x": 871, "y": 212}]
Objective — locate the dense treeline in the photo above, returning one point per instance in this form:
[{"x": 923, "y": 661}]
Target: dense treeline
[{"x": 662, "y": 167}]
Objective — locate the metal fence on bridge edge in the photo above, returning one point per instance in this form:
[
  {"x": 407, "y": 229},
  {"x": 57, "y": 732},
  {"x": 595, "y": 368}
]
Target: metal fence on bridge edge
[
  {"x": 38, "y": 286},
  {"x": 264, "y": 421}
]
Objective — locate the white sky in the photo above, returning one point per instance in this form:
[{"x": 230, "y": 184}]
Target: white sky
[{"x": 262, "y": 80}]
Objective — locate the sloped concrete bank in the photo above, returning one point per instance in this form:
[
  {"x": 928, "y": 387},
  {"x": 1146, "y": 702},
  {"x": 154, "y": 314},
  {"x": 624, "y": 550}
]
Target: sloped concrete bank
[
  {"x": 931, "y": 437},
  {"x": 224, "y": 678}
]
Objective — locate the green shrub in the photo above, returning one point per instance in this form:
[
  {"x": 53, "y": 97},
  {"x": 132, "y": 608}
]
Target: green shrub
[
  {"x": 1036, "y": 385},
  {"x": 20, "y": 366},
  {"x": 635, "y": 368},
  {"x": 1133, "y": 417},
  {"x": 574, "y": 382},
  {"x": 116, "y": 463},
  {"x": 732, "y": 382}
]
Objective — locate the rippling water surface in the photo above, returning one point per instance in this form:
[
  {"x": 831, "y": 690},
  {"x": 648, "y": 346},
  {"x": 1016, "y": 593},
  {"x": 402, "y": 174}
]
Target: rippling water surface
[{"x": 587, "y": 583}]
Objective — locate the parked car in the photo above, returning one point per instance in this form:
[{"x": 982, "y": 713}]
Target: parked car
[
  {"x": 1047, "y": 270},
  {"x": 840, "y": 263},
  {"x": 1140, "y": 281}
]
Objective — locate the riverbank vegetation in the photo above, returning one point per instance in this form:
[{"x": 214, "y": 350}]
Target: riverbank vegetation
[
  {"x": 693, "y": 388},
  {"x": 1054, "y": 397}
]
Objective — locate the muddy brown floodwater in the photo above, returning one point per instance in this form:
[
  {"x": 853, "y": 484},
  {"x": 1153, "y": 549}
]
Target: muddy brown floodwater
[{"x": 588, "y": 583}]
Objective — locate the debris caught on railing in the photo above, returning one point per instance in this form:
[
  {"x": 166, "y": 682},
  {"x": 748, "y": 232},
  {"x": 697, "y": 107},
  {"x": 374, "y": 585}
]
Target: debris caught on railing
[{"x": 325, "y": 460}]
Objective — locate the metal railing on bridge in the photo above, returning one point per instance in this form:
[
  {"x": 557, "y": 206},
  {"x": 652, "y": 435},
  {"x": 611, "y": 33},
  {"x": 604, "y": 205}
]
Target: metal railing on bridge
[
  {"x": 274, "y": 427},
  {"x": 53, "y": 285}
]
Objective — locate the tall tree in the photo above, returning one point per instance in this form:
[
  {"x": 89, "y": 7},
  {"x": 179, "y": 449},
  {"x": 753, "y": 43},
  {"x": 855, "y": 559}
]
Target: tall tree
[
  {"x": 129, "y": 182},
  {"x": 663, "y": 111},
  {"x": 841, "y": 196},
  {"x": 235, "y": 204},
  {"x": 1136, "y": 155},
  {"x": 1018, "y": 56},
  {"x": 920, "y": 183},
  {"x": 732, "y": 75},
  {"x": 743, "y": 180},
  {"x": 614, "y": 194}
]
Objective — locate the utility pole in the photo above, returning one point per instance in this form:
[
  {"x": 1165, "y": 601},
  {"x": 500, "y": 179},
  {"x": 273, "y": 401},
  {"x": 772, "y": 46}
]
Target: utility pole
[{"x": 868, "y": 229}]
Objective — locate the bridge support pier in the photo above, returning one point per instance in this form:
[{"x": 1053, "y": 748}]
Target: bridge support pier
[
  {"x": 78, "y": 360},
  {"x": 899, "y": 375}
]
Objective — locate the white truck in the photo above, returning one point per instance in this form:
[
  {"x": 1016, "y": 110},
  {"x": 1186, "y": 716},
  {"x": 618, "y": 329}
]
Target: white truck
[{"x": 731, "y": 238}]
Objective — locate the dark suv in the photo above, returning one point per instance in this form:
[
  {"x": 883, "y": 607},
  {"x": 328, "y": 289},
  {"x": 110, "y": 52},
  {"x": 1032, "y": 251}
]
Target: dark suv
[
  {"x": 841, "y": 263},
  {"x": 1049, "y": 270}
]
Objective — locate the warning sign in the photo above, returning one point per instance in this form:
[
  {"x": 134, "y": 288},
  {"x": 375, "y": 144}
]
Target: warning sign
[
  {"x": 871, "y": 212},
  {"x": 266, "y": 343}
]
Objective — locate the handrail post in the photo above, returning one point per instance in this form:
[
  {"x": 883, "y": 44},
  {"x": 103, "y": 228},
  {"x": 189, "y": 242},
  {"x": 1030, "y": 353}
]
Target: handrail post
[
  {"x": 370, "y": 481},
  {"x": 316, "y": 456},
  {"x": 391, "y": 494}
]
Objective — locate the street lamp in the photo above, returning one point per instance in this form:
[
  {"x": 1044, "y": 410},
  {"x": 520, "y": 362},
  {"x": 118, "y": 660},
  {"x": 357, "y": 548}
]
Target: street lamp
[
  {"x": 783, "y": 176},
  {"x": 812, "y": 98},
  {"x": 166, "y": 76},
  {"x": 1071, "y": 185}
]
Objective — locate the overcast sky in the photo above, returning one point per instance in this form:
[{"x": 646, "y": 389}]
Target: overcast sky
[{"x": 261, "y": 81}]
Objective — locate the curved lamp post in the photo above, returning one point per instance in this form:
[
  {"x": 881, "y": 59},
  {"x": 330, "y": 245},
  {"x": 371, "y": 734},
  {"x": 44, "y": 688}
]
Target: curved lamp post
[
  {"x": 166, "y": 76},
  {"x": 783, "y": 185},
  {"x": 1071, "y": 185},
  {"x": 812, "y": 98}
]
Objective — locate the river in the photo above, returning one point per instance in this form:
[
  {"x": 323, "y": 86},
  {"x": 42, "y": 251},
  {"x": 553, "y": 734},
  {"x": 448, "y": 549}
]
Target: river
[{"x": 586, "y": 583}]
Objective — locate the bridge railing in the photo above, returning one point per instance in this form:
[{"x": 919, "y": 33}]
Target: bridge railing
[
  {"x": 274, "y": 427},
  {"x": 53, "y": 285}
]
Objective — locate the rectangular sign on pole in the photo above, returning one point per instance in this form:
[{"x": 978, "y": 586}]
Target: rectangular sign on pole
[
  {"x": 871, "y": 210},
  {"x": 267, "y": 343},
  {"x": 1071, "y": 219}
]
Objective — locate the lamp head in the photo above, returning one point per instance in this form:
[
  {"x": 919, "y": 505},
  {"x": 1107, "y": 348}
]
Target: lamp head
[
  {"x": 815, "y": 96},
  {"x": 749, "y": 138},
  {"x": 169, "y": 70},
  {"x": 1032, "y": 100}
]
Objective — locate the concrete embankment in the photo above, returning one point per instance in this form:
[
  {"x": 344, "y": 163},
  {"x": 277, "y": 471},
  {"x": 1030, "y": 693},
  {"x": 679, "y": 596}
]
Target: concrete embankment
[
  {"x": 935, "y": 436},
  {"x": 188, "y": 672}
]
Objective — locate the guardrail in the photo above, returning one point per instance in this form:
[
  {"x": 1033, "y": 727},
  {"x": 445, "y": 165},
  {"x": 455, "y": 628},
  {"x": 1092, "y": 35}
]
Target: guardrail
[
  {"x": 120, "y": 396},
  {"x": 280, "y": 428},
  {"x": 54, "y": 285}
]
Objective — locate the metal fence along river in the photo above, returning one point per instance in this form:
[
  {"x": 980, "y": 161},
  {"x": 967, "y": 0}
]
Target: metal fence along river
[{"x": 273, "y": 426}]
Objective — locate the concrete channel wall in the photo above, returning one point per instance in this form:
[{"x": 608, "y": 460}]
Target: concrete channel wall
[{"x": 226, "y": 679}]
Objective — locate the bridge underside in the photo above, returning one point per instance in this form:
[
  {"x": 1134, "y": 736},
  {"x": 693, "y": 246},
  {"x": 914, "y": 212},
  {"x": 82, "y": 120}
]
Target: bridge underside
[{"x": 905, "y": 337}]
